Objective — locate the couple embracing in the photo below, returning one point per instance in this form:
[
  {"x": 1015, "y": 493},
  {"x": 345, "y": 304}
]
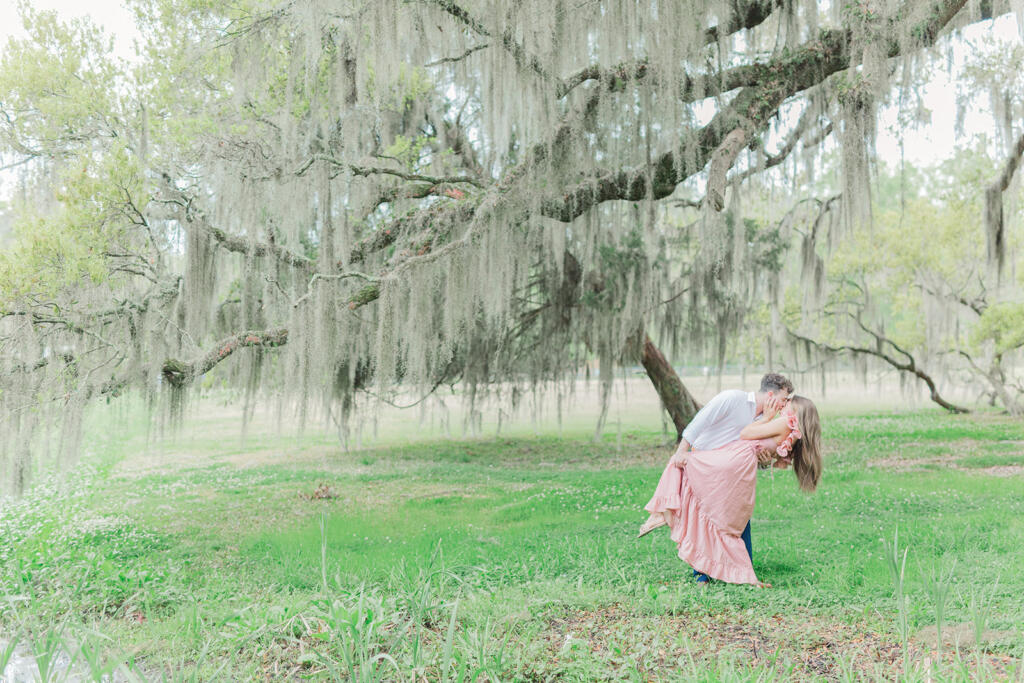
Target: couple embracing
[{"x": 706, "y": 493}]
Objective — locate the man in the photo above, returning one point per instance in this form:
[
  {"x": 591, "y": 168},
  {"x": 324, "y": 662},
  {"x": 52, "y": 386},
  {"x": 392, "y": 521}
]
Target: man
[{"x": 720, "y": 422}]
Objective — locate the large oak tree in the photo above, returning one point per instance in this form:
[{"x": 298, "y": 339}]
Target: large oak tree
[{"x": 365, "y": 193}]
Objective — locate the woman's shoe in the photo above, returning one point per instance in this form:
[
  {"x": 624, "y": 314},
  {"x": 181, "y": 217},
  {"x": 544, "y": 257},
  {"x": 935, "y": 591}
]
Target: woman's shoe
[{"x": 651, "y": 524}]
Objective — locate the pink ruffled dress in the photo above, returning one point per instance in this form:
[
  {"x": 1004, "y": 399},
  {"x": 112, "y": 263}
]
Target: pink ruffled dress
[{"x": 709, "y": 502}]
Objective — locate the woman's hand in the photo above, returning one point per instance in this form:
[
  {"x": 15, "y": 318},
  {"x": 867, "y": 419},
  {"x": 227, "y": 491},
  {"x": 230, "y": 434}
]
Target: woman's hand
[{"x": 679, "y": 460}]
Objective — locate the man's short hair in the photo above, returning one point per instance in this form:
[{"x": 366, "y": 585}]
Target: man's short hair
[{"x": 773, "y": 381}]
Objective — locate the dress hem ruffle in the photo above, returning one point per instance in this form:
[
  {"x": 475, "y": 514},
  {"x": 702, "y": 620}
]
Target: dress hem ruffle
[{"x": 674, "y": 506}]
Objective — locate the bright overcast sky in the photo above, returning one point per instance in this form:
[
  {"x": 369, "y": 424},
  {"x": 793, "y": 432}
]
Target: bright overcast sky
[
  {"x": 925, "y": 146},
  {"x": 111, "y": 15}
]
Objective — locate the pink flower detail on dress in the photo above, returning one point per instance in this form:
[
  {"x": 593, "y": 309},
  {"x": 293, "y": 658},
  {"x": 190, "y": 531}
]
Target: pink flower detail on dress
[{"x": 786, "y": 447}]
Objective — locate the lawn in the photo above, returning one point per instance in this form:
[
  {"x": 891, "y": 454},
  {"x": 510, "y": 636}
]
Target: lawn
[{"x": 516, "y": 559}]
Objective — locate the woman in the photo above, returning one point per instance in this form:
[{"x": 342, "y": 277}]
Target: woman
[{"x": 707, "y": 497}]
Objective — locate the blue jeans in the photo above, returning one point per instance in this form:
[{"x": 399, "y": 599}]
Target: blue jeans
[{"x": 704, "y": 578}]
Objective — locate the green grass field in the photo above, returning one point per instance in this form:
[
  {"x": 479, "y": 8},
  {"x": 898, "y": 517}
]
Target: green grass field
[{"x": 516, "y": 559}]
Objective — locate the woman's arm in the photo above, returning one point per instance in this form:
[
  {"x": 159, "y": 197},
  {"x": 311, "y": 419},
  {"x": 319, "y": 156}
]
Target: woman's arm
[{"x": 765, "y": 429}]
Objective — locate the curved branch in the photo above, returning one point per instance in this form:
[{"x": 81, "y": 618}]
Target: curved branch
[
  {"x": 994, "y": 376},
  {"x": 184, "y": 210},
  {"x": 744, "y": 15},
  {"x": 909, "y": 367},
  {"x": 788, "y": 147},
  {"x": 522, "y": 58},
  {"x": 751, "y": 109}
]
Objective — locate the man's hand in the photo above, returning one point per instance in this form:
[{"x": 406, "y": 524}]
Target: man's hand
[
  {"x": 765, "y": 456},
  {"x": 679, "y": 459}
]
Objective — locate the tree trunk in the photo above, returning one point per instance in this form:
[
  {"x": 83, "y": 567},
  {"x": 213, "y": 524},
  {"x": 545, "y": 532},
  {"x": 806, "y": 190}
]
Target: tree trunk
[
  {"x": 677, "y": 400},
  {"x": 997, "y": 379}
]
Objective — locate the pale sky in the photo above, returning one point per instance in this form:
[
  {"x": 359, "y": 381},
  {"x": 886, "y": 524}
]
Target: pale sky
[
  {"x": 935, "y": 142},
  {"x": 926, "y": 146},
  {"x": 111, "y": 15}
]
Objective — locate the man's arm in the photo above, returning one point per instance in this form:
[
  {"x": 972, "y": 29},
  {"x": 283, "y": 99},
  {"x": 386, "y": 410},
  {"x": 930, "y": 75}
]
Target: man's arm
[
  {"x": 679, "y": 457},
  {"x": 704, "y": 418}
]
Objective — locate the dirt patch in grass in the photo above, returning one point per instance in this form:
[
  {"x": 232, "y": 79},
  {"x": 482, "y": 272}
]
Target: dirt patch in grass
[
  {"x": 908, "y": 464},
  {"x": 277, "y": 505},
  {"x": 957, "y": 458},
  {"x": 800, "y": 647},
  {"x": 1004, "y": 470},
  {"x": 324, "y": 458},
  {"x": 963, "y": 636},
  {"x": 588, "y": 457},
  {"x": 505, "y": 453},
  {"x": 947, "y": 462}
]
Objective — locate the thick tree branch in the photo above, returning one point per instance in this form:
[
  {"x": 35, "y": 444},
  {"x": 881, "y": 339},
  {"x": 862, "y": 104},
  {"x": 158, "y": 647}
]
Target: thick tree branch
[
  {"x": 388, "y": 234},
  {"x": 995, "y": 238},
  {"x": 242, "y": 245},
  {"x": 744, "y": 15},
  {"x": 751, "y": 110},
  {"x": 180, "y": 373},
  {"x": 184, "y": 209},
  {"x": 382, "y": 170},
  {"x": 721, "y": 161}
]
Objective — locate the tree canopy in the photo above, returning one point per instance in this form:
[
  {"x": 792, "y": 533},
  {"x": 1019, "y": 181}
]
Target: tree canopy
[{"x": 317, "y": 198}]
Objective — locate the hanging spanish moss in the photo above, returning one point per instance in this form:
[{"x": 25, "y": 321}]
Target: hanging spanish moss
[{"x": 351, "y": 204}]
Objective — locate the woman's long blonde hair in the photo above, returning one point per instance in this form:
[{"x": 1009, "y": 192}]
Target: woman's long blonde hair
[{"x": 807, "y": 449}]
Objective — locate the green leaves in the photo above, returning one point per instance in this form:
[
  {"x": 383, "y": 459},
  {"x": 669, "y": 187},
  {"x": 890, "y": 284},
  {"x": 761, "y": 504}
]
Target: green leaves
[
  {"x": 57, "y": 87},
  {"x": 1003, "y": 325},
  {"x": 96, "y": 206}
]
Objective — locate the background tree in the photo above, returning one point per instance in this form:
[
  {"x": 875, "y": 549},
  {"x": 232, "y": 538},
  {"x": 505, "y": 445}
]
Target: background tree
[
  {"x": 934, "y": 294},
  {"x": 913, "y": 290}
]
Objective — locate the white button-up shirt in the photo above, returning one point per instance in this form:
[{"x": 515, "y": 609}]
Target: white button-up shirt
[{"x": 720, "y": 421}]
